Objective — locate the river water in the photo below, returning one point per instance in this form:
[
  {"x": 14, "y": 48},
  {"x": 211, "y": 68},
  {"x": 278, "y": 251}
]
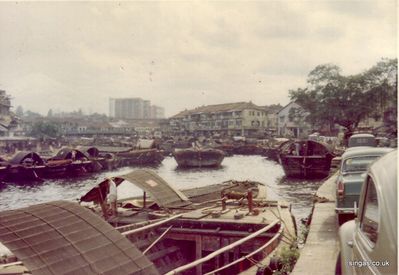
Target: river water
[{"x": 297, "y": 192}]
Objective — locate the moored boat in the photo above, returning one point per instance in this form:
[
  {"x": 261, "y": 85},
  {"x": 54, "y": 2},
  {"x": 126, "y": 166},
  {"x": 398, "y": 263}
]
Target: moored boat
[
  {"x": 25, "y": 165},
  {"x": 68, "y": 162},
  {"x": 203, "y": 232},
  {"x": 306, "y": 159},
  {"x": 198, "y": 157},
  {"x": 140, "y": 157}
]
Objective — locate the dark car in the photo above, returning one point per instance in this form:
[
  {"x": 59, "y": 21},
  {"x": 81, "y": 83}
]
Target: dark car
[
  {"x": 368, "y": 244},
  {"x": 354, "y": 164}
]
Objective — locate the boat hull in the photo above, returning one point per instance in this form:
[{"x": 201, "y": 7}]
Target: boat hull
[
  {"x": 306, "y": 166},
  {"x": 199, "y": 158},
  {"x": 141, "y": 157}
]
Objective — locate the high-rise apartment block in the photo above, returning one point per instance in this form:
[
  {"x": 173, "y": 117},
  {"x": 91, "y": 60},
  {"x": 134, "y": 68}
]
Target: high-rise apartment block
[{"x": 134, "y": 108}]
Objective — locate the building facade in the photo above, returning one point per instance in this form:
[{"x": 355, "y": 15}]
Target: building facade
[
  {"x": 291, "y": 121},
  {"x": 231, "y": 119},
  {"x": 8, "y": 121},
  {"x": 157, "y": 112}
]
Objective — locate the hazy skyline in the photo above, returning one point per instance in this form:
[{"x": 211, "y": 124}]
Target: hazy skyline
[{"x": 70, "y": 55}]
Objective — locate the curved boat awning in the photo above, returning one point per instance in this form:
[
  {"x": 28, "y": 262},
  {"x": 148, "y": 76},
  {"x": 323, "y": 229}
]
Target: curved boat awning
[
  {"x": 161, "y": 192},
  {"x": 65, "y": 238},
  {"x": 19, "y": 157},
  {"x": 66, "y": 153},
  {"x": 90, "y": 150}
]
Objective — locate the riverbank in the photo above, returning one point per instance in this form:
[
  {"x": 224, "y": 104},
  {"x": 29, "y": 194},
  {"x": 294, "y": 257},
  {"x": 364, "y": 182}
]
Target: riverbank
[{"x": 320, "y": 252}]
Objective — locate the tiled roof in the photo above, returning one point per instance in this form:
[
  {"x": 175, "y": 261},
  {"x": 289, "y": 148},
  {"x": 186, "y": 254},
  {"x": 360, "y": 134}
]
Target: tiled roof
[{"x": 226, "y": 107}]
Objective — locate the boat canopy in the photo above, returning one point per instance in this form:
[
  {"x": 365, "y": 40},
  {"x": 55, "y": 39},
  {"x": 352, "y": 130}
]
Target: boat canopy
[
  {"x": 20, "y": 157},
  {"x": 66, "y": 153},
  {"x": 90, "y": 150},
  {"x": 161, "y": 192},
  {"x": 65, "y": 238}
]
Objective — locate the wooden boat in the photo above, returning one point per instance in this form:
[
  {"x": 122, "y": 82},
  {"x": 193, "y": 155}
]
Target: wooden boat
[
  {"x": 228, "y": 149},
  {"x": 226, "y": 235},
  {"x": 248, "y": 149},
  {"x": 67, "y": 162},
  {"x": 4, "y": 164},
  {"x": 100, "y": 160},
  {"x": 305, "y": 159},
  {"x": 273, "y": 149},
  {"x": 198, "y": 157},
  {"x": 25, "y": 165},
  {"x": 140, "y": 157}
]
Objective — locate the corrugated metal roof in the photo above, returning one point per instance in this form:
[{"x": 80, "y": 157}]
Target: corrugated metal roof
[
  {"x": 162, "y": 193},
  {"x": 64, "y": 238}
]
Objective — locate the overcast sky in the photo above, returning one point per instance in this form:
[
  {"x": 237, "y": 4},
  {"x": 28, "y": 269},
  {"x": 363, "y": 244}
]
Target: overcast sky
[{"x": 181, "y": 55}]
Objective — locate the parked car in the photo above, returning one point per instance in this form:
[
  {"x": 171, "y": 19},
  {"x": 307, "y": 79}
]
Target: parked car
[
  {"x": 362, "y": 140},
  {"x": 354, "y": 164},
  {"x": 368, "y": 244}
]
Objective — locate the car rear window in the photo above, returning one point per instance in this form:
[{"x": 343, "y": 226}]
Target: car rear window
[
  {"x": 358, "y": 164},
  {"x": 362, "y": 141}
]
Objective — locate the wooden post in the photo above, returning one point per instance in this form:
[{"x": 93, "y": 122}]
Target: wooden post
[
  {"x": 198, "y": 254},
  {"x": 250, "y": 201},
  {"x": 144, "y": 199}
]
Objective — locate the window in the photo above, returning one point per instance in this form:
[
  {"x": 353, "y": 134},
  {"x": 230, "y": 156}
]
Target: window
[
  {"x": 370, "y": 216},
  {"x": 258, "y": 113},
  {"x": 358, "y": 164}
]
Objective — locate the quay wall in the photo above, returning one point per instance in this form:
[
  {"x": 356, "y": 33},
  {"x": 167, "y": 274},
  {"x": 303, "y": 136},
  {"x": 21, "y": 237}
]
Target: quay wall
[{"x": 321, "y": 249}]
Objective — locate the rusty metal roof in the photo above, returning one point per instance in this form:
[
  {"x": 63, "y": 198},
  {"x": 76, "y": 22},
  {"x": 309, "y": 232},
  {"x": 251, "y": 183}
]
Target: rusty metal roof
[
  {"x": 64, "y": 238},
  {"x": 163, "y": 193}
]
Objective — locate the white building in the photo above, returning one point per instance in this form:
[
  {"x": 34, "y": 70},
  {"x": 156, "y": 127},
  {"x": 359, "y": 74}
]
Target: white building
[{"x": 291, "y": 121}]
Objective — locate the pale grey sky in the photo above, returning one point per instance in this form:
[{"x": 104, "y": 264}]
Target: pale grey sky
[{"x": 69, "y": 55}]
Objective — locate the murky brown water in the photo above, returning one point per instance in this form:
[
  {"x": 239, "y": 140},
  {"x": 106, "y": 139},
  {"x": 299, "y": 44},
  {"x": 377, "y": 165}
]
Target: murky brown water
[{"x": 297, "y": 192}]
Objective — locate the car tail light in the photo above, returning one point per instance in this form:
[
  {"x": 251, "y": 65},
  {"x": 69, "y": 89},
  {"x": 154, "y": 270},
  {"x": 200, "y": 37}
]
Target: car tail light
[{"x": 340, "y": 188}]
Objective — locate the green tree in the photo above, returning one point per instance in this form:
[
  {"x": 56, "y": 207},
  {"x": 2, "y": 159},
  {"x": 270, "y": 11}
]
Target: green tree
[
  {"x": 19, "y": 111},
  {"x": 331, "y": 98},
  {"x": 43, "y": 129}
]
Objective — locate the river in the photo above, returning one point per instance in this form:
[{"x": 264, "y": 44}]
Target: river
[{"x": 297, "y": 192}]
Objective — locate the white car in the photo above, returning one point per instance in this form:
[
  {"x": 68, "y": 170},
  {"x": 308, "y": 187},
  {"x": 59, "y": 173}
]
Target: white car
[{"x": 368, "y": 244}]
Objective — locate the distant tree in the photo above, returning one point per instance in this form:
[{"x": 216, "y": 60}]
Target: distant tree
[
  {"x": 43, "y": 129},
  {"x": 50, "y": 113},
  {"x": 30, "y": 114},
  {"x": 331, "y": 98},
  {"x": 19, "y": 111}
]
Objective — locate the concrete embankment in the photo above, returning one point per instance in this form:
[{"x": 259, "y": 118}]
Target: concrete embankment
[{"x": 321, "y": 249}]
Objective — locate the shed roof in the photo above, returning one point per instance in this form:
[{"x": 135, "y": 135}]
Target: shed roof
[
  {"x": 163, "y": 194},
  {"x": 64, "y": 238}
]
